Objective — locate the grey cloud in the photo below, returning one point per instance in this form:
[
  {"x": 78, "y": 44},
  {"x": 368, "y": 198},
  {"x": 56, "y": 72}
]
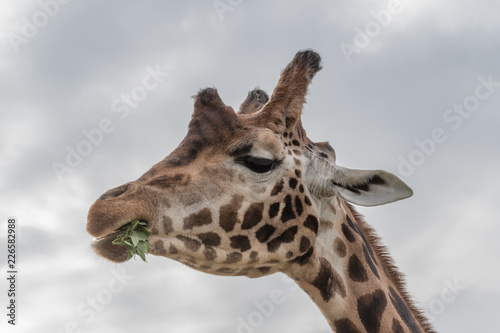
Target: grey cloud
[{"x": 372, "y": 110}]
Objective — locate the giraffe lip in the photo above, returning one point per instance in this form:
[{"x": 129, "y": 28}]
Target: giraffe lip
[
  {"x": 113, "y": 233},
  {"x": 105, "y": 248},
  {"x": 116, "y": 231}
]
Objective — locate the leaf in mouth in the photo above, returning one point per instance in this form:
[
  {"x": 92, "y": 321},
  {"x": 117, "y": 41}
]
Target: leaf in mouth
[{"x": 135, "y": 236}]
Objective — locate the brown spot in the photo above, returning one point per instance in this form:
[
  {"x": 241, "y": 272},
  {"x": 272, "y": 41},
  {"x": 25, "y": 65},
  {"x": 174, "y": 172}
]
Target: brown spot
[
  {"x": 298, "y": 173},
  {"x": 244, "y": 271},
  {"x": 305, "y": 244},
  {"x": 254, "y": 257},
  {"x": 312, "y": 223},
  {"x": 210, "y": 253},
  {"x": 304, "y": 259},
  {"x": 356, "y": 270},
  {"x": 240, "y": 242},
  {"x": 328, "y": 281},
  {"x": 297, "y": 162},
  {"x": 339, "y": 247},
  {"x": 264, "y": 270},
  {"x": 226, "y": 270},
  {"x": 297, "y": 152},
  {"x": 345, "y": 325},
  {"x": 197, "y": 219},
  {"x": 233, "y": 258},
  {"x": 265, "y": 232},
  {"x": 274, "y": 209},
  {"x": 190, "y": 243},
  {"x": 155, "y": 230},
  {"x": 293, "y": 183},
  {"x": 370, "y": 310},
  {"x": 325, "y": 225},
  {"x": 301, "y": 188},
  {"x": 396, "y": 326},
  {"x": 159, "y": 248},
  {"x": 286, "y": 236},
  {"x": 167, "y": 225},
  {"x": 347, "y": 233},
  {"x": 252, "y": 216},
  {"x": 209, "y": 239},
  {"x": 272, "y": 261},
  {"x": 307, "y": 201},
  {"x": 298, "y": 206},
  {"x": 228, "y": 214},
  {"x": 278, "y": 187},
  {"x": 287, "y": 214},
  {"x": 289, "y": 254},
  {"x": 173, "y": 250}
]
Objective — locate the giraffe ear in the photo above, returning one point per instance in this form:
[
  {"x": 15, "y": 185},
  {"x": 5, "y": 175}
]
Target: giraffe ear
[{"x": 368, "y": 187}]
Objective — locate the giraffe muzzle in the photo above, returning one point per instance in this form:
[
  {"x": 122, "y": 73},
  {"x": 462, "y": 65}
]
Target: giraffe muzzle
[
  {"x": 119, "y": 206},
  {"x": 144, "y": 199}
]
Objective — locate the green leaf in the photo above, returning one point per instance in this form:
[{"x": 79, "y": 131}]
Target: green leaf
[
  {"x": 130, "y": 253},
  {"x": 144, "y": 231},
  {"x": 142, "y": 247},
  {"x": 135, "y": 236},
  {"x": 143, "y": 256},
  {"x": 134, "y": 224},
  {"x": 140, "y": 235}
]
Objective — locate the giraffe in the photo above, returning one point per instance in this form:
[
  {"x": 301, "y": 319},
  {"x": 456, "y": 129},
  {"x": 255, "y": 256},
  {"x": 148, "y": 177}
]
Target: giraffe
[{"x": 247, "y": 193}]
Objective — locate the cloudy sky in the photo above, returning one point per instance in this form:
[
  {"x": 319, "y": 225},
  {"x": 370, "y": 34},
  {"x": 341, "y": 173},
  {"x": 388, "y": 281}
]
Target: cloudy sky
[{"x": 412, "y": 87}]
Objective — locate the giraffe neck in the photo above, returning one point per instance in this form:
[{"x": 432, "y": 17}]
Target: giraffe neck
[{"x": 351, "y": 278}]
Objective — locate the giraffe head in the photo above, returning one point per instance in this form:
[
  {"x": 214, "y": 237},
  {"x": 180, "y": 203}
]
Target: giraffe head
[{"x": 242, "y": 193}]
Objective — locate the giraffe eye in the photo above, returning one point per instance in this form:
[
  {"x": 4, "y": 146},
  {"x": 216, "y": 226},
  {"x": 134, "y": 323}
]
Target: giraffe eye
[{"x": 257, "y": 164}]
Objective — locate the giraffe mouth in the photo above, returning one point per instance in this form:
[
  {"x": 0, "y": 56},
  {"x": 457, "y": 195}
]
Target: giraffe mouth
[
  {"x": 115, "y": 209},
  {"x": 105, "y": 248}
]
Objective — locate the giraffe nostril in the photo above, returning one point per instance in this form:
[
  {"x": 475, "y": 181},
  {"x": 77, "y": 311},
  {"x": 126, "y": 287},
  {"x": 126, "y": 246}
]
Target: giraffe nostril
[{"x": 113, "y": 193}]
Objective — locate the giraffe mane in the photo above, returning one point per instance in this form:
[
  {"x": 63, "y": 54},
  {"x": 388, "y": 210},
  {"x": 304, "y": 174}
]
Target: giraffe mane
[{"x": 392, "y": 271}]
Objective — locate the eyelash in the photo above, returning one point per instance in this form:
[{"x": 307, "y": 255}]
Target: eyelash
[{"x": 257, "y": 164}]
